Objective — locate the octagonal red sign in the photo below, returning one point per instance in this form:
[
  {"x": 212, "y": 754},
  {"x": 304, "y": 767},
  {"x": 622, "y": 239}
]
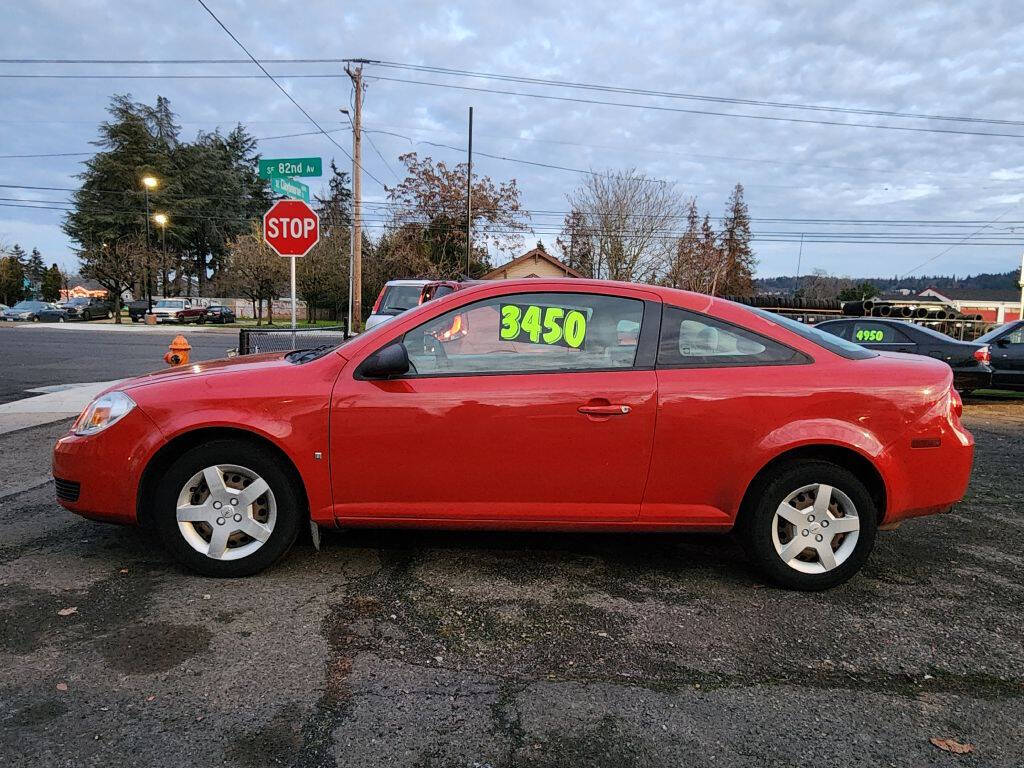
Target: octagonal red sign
[{"x": 291, "y": 227}]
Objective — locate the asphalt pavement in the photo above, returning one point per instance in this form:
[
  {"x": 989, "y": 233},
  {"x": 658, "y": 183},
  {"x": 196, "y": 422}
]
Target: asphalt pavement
[
  {"x": 33, "y": 355},
  {"x": 408, "y": 648}
]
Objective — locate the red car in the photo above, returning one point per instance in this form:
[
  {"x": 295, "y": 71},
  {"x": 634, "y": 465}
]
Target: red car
[{"x": 534, "y": 404}]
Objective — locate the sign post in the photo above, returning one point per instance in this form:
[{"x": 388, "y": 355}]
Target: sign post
[{"x": 291, "y": 228}]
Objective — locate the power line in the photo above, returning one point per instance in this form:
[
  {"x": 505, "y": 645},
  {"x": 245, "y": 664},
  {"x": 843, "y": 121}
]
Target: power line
[
  {"x": 517, "y": 79},
  {"x": 282, "y": 89},
  {"x": 687, "y": 96},
  {"x": 660, "y": 108}
]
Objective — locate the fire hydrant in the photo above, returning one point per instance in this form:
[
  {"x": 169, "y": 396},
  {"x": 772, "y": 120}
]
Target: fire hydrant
[{"x": 177, "y": 353}]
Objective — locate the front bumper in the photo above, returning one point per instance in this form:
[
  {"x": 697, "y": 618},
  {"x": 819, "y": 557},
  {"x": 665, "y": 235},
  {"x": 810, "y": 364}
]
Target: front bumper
[{"x": 98, "y": 476}]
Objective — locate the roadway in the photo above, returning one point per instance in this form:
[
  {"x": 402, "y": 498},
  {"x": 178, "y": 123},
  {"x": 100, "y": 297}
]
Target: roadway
[{"x": 46, "y": 355}]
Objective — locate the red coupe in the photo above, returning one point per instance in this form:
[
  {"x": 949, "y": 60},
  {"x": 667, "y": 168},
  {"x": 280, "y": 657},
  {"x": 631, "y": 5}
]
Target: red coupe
[{"x": 534, "y": 404}]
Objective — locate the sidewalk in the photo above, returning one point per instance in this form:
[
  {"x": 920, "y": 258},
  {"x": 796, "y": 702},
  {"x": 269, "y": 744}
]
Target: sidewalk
[{"x": 59, "y": 402}]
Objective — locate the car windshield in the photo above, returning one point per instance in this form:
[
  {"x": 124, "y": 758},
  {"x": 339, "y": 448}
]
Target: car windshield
[
  {"x": 991, "y": 335},
  {"x": 398, "y": 298},
  {"x": 27, "y": 305},
  {"x": 166, "y": 304},
  {"x": 839, "y": 346}
]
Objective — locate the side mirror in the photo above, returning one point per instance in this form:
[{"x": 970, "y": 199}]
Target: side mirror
[
  {"x": 1003, "y": 342},
  {"x": 385, "y": 363}
]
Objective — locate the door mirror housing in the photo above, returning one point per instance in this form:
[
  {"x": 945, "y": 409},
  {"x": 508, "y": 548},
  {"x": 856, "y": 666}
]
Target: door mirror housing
[
  {"x": 385, "y": 363},
  {"x": 1003, "y": 342}
]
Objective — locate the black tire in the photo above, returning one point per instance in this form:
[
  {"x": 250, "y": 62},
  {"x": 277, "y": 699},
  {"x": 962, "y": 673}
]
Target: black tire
[
  {"x": 290, "y": 511},
  {"x": 758, "y": 517}
]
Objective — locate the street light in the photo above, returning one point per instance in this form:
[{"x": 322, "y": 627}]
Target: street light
[
  {"x": 149, "y": 182},
  {"x": 161, "y": 219}
]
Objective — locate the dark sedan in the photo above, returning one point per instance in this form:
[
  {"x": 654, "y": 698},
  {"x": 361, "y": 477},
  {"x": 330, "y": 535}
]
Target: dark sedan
[
  {"x": 87, "y": 308},
  {"x": 969, "y": 360},
  {"x": 34, "y": 311},
  {"x": 1007, "y": 345},
  {"x": 218, "y": 313}
]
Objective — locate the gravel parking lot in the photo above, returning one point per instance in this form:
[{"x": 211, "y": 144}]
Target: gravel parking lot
[{"x": 392, "y": 648}]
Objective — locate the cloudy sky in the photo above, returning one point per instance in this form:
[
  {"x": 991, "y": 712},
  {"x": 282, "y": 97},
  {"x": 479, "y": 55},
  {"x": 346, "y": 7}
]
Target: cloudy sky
[{"x": 929, "y": 188}]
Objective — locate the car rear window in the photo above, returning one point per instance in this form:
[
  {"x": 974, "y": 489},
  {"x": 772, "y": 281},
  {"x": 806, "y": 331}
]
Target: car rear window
[{"x": 839, "y": 346}]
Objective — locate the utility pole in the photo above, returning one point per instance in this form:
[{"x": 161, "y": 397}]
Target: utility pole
[
  {"x": 356, "y": 293},
  {"x": 469, "y": 197},
  {"x": 1020, "y": 312}
]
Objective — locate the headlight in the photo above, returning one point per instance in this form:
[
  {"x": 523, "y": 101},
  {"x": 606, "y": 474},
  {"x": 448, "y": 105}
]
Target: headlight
[{"x": 102, "y": 412}]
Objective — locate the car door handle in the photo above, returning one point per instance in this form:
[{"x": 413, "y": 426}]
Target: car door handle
[{"x": 604, "y": 410}]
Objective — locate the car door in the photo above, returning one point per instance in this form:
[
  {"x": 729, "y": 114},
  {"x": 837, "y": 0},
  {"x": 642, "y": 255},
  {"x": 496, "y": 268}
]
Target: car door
[
  {"x": 1008, "y": 358},
  {"x": 528, "y": 407}
]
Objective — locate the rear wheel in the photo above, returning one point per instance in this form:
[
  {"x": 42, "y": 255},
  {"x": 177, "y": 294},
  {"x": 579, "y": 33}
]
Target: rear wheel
[
  {"x": 227, "y": 509},
  {"x": 811, "y": 525}
]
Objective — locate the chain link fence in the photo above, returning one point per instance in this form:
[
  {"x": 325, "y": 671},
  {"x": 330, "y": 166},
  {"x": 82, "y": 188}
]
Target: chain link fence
[{"x": 256, "y": 341}]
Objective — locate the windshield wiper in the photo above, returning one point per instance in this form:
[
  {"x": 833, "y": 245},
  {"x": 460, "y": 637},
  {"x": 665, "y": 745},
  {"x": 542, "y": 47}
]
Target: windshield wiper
[{"x": 305, "y": 355}]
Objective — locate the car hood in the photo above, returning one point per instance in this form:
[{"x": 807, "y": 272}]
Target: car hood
[{"x": 259, "y": 364}]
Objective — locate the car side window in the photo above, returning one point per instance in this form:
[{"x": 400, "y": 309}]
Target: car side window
[
  {"x": 528, "y": 332},
  {"x": 692, "y": 340},
  {"x": 1017, "y": 337},
  {"x": 865, "y": 332}
]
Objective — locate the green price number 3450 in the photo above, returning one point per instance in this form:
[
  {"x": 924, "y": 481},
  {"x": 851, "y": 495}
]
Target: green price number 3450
[{"x": 543, "y": 325}]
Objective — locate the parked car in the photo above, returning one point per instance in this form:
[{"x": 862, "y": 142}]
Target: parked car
[
  {"x": 137, "y": 310},
  {"x": 1007, "y": 345},
  {"x": 178, "y": 311},
  {"x": 26, "y": 310},
  {"x": 87, "y": 308},
  {"x": 969, "y": 360},
  {"x": 2, "y": 308},
  {"x": 53, "y": 313},
  {"x": 218, "y": 313},
  {"x": 395, "y": 297},
  {"x": 542, "y": 414}
]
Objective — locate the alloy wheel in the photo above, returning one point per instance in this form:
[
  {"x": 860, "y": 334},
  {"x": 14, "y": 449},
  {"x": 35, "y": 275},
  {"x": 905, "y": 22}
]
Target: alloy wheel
[
  {"x": 226, "y": 512},
  {"x": 815, "y": 528}
]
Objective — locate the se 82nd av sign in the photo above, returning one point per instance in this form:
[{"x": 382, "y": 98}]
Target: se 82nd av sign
[
  {"x": 291, "y": 228},
  {"x": 290, "y": 166}
]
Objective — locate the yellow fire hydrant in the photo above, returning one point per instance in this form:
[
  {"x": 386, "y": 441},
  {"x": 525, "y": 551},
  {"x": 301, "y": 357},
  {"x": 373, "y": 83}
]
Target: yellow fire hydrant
[{"x": 177, "y": 353}]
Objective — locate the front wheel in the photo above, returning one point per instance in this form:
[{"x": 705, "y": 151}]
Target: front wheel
[
  {"x": 227, "y": 509},
  {"x": 811, "y": 525}
]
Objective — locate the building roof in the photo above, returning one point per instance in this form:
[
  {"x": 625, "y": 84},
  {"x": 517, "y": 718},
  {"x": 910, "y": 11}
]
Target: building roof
[
  {"x": 535, "y": 254},
  {"x": 1011, "y": 295}
]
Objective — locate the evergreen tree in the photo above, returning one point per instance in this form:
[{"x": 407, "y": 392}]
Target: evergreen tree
[
  {"x": 739, "y": 259},
  {"x": 51, "y": 283},
  {"x": 34, "y": 267},
  {"x": 12, "y": 276},
  {"x": 19, "y": 254}
]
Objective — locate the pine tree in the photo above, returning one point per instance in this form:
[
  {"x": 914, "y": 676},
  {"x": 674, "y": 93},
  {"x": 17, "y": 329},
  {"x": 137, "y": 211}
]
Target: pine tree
[
  {"x": 34, "y": 267},
  {"x": 19, "y": 254},
  {"x": 740, "y": 261},
  {"x": 51, "y": 283}
]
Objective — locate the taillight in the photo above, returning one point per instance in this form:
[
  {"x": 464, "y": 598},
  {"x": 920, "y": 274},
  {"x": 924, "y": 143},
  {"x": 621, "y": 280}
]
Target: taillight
[
  {"x": 956, "y": 404},
  {"x": 458, "y": 329},
  {"x": 380, "y": 298},
  {"x": 983, "y": 355}
]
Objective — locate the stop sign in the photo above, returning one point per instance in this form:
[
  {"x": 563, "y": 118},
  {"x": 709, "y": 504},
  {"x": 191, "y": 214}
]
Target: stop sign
[{"x": 291, "y": 227}]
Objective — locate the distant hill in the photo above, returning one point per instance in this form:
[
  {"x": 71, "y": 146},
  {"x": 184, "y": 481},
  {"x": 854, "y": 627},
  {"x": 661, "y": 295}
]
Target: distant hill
[{"x": 787, "y": 285}]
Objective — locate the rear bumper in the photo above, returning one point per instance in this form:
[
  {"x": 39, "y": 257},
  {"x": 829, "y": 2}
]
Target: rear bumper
[
  {"x": 924, "y": 478},
  {"x": 98, "y": 476}
]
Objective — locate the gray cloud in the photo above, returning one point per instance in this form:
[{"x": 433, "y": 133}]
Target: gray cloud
[{"x": 912, "y": 57}]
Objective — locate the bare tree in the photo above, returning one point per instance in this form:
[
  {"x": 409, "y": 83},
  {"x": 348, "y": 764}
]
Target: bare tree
[
  {"x": 117, "y": 265},
  {"x": 255, "y": 271},
  {"x": 625, "y": 219}
]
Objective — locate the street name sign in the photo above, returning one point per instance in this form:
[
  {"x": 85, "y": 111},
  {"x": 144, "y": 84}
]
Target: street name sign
[
  {"x": 291, "y": 166},
  {"x": 290, "y": 188},
  {"x": 291, "y": 228}
]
